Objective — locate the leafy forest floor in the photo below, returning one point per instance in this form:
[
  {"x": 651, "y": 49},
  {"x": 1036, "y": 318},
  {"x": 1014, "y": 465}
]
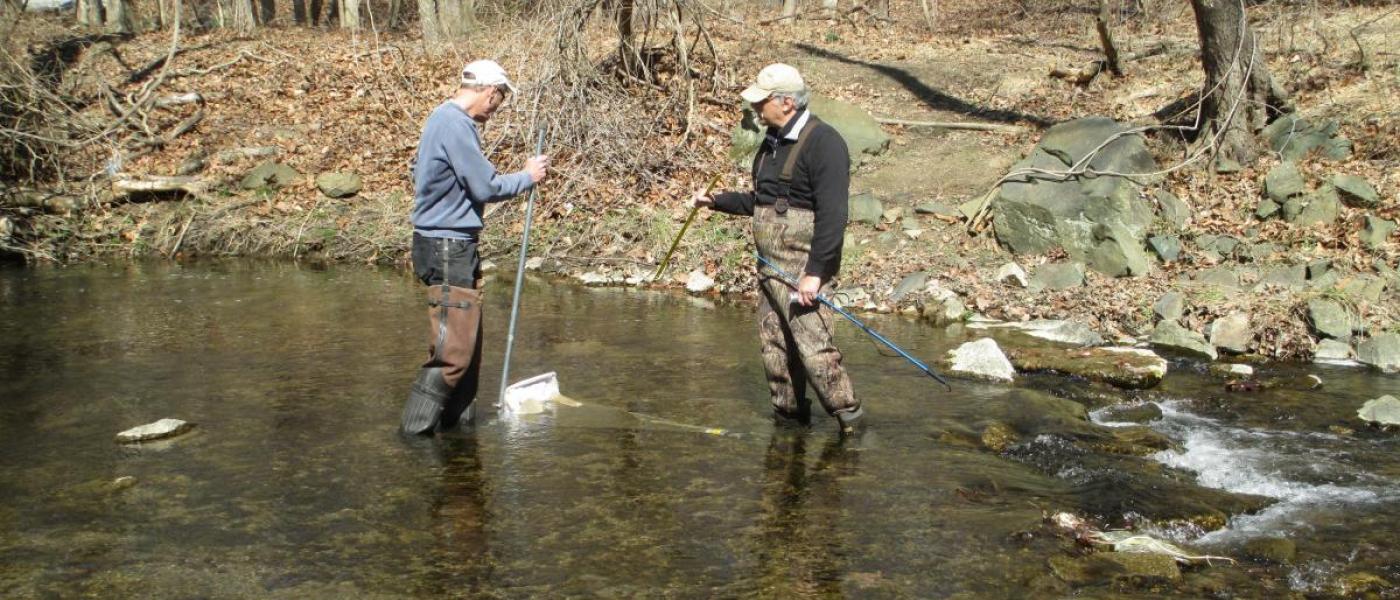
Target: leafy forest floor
[{"x": 628, "y": 154}]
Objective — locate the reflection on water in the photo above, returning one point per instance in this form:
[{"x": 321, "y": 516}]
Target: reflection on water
[{"x": 296, "y": 485}]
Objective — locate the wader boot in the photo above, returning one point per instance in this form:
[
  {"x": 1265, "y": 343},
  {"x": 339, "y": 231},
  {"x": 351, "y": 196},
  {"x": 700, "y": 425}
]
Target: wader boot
[{"x": 445, "y": 390}]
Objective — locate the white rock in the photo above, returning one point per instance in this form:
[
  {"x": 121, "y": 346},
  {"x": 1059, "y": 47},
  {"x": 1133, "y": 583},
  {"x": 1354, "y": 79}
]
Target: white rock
[
  {"x": 593, "y": 278},
  {"x": 1014, "y": 273},
  {"x": 488, "y": 266},
  {"x": 153, "y": 431},
  {"x": 1158, "y": 367},
  {"x": 982, "y": 358},
  {"x": 1384, "y": 410},
  {"x": 534, "y": 263},
  {"x": 698, "y": 282},
  {"x": 1238, "y": 369},
  {"x": 1069, "y": 332}
]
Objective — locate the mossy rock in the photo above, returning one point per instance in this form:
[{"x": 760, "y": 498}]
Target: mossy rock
[
  {"x": 998, "y": 436},
  {"x": 1145, "y": 412},
  {"x": 1136, "y": 441},
  {"x": 1127, "y": 368},
  {"x": 1122, "y": 569}
]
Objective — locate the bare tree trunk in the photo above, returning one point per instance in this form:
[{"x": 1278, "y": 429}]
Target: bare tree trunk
[
  {"x": 395, "y": 14},
  {"x": 930, "y": 8},
  {"x": 789, "y": 15},
  {"x": 628, "y": 59},
  {"x": 268, "y": 10},
  {"x": 89, "y": 12},
  {"x": 428, "y": 21},
  {"x": 350, "y": 14},
  {"x": 1239, "y": 94},
  {"x": 1110, "y": 52},
  {"x": 118, "y": 16},
  {"x": 243, "y": 19}
]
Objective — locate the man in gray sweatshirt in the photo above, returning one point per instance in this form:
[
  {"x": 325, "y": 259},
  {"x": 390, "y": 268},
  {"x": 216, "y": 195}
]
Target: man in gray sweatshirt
[{"x": 452, "y": 183}]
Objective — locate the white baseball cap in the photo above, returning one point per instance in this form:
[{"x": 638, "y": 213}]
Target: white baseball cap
[
  {"x": 486, "y": 72},
  {"x": 776, "y": 77}
]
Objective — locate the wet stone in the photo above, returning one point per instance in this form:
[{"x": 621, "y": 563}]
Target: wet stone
[
  {"x": 1129, "y": 368},
  {"x": 1275, "y": 550},
  {"x": 1124, "y": 569},
  {"x": 1381, "y": 411},
  {"x": 1231, "y": 370},
  {"x": 1145, "y": 412},
  {"x": 164, "y": 428},
  {"x": 998, "y": 436}
]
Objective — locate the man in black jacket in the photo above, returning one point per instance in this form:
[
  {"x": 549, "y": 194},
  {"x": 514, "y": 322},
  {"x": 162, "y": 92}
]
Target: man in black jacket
[{"x": 801, "y": 178}]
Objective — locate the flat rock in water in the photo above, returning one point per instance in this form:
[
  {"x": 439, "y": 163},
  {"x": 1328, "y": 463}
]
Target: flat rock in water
[
  {"x": 982, "y": 359},
  {"x": 1384, "y": 410},
  {"x": 1130, "y": 368},
  {"x": 163, "y": 428}
]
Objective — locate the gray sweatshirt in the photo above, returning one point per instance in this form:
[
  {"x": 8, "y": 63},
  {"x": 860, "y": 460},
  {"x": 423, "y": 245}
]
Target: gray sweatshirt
[{"x": 452, "y": 180}]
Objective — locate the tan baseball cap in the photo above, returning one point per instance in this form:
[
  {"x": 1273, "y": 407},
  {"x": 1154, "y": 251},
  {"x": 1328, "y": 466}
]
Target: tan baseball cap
[
  {"x": 776, "y": 77},
  {"x": 486, "y": 72}
]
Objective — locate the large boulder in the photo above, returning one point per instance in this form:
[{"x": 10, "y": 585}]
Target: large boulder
[
  {"x": 1330, "y": 319},
  {"x": 1294, "y": 137},
  {"x": 862, "y": 133},
  {"x": 1102, "y": 216},
  {"x": 1232, "y": 333},
  {"x": 982, "y": 359},
  {"x": 1172, "y": 336},
  {"x": 1381, "y": 351}
]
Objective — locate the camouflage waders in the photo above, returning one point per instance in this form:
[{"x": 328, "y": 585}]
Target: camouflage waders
[
  {"x": 796, "y": 340},
  {"x": 444, "y": 391}
]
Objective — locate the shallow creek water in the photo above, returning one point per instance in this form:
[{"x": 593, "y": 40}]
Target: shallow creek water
[{"x": 295, "y": 483}]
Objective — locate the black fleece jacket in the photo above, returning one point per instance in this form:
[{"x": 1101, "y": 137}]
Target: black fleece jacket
[{"x": 821, "y": 179}]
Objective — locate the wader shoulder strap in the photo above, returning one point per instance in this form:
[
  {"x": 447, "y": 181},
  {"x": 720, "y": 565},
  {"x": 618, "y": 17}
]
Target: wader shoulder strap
[{"x": 791, "y": 163}]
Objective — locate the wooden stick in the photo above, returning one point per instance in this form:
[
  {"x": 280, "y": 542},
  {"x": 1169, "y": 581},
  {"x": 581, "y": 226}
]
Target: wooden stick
[{"x": 963, "y": 125}]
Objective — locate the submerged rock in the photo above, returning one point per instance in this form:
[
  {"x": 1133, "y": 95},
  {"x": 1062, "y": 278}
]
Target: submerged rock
[
  {"x": 982, "y": 359},
  {"x": 1145, "y": 412},
  {"x": 1124, "y": 569},
  {"x": 1130, "y": 368},
  {"x": 1382, "y": 411},
  {"x": 163, "y": 428},
  {"x": 1271, "y": 550}
]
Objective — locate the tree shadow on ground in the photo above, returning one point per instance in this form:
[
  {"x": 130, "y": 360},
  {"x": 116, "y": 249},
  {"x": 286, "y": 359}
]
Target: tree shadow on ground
[{"x": 931, "y": 97}]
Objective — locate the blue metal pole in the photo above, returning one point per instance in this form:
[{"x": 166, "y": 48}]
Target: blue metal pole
[
  {"x": 519, "y": 277},
  {"x": 791, "y": 282}
]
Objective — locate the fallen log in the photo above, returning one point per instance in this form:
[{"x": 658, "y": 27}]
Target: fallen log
[
  {"x": 128, "y": 186},
  {"x": 960, "y": 125}
]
